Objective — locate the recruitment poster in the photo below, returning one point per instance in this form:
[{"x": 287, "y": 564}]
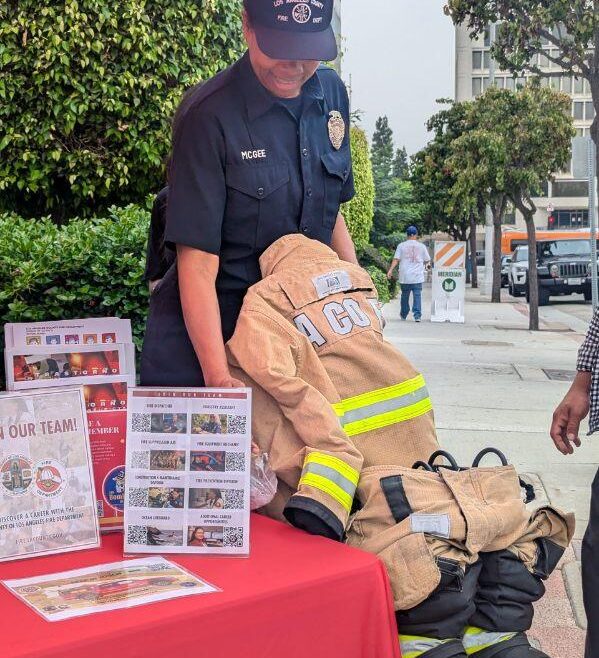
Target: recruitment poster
[
  {"x": 105, "y": 587},
  {"x": 188, "y": 460},
  {"x": 47, "y": 501}
]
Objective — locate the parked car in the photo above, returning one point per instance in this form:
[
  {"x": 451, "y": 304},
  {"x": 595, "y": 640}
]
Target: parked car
[
  {"x": 505, "y": 269},
  {"x": 564, "y": 268},
  {"x": 517, "y": 271}
]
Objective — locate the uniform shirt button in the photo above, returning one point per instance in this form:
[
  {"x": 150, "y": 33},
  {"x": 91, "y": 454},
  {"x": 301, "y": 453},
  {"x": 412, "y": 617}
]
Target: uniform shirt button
[
  {"x": 305, "y": 229},
  {"x": 260, "y": 191},
  {"x": 345, "y": 172},
  {"x": 309, "y": 191},
  {"x": 305, "y": 153}
]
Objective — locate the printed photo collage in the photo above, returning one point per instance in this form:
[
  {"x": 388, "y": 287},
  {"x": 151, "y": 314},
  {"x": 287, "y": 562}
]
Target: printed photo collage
[{"x": 187, "y": 481}]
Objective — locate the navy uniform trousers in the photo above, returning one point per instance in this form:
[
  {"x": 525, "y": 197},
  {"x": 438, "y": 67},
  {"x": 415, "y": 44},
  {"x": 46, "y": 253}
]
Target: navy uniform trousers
[{"x": 590, "y": 573}]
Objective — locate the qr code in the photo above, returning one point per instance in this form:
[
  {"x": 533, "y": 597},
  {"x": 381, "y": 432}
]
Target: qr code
[
  {"x": 138, "y": 497},
  {"x": 234, "y": 499},
  {"x": 141, "y": 422},
  {"x": 233, "y": 537},
  {"x": 140, "y": 459},
  {"x": 137, "y": 534},
  {"x": 236, "y": 424},
  {"x": 234, "y": 461},
  {"x": 100, "y": 508}
]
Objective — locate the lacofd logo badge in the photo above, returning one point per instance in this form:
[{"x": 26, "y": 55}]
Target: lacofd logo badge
[{"x": 302, "y": 13}]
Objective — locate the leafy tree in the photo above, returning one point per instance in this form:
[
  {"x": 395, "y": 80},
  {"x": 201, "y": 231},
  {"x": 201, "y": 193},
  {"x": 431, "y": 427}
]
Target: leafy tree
[
  {"x": 382, "y": 150},
  {"x": 87, "y": 90},
  {"x": 570, "y": 28},
  {"x": 359, "y": 211},
  {"x": 479, "y": 160},
  {"x": 434, "y": 180},
  {"x": 395, "y": 207},
  {"x": 400, "y": 167}
]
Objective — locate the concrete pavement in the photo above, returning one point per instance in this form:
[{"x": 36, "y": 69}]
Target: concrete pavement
[{"x": 494, "y": 383}]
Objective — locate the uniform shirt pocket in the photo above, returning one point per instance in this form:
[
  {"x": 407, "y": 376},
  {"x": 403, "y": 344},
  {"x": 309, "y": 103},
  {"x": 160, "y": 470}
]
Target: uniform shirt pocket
[
  {"x": 337, "y": 167},
  {"x": 253, "y": 194}
]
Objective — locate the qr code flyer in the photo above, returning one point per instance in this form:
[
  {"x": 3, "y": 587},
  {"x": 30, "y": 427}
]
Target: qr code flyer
[{"x": 188, "y": 457}]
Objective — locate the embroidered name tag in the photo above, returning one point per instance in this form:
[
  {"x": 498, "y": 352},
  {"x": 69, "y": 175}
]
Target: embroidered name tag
[
  {"x": 257, "y": 154},
  {"x": 332, "y": 283},
  {"x": 433, "y": 524}
]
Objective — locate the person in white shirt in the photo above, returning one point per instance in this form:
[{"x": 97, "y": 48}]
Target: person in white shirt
[{"x": 413, "y": 259}]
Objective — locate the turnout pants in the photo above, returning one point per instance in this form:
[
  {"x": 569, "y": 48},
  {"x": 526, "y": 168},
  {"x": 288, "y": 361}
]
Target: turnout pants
[{"x": 465, "y": 559}]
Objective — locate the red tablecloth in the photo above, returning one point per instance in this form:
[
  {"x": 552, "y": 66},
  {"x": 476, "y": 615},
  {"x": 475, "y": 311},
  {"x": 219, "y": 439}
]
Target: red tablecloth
[{"x": 295, "y": 596}]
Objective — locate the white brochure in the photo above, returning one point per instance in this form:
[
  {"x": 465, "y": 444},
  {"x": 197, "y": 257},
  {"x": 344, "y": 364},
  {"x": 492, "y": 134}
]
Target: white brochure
[
  {"x": 187, "y": 488},
  {"x": 89, "y": 331}
]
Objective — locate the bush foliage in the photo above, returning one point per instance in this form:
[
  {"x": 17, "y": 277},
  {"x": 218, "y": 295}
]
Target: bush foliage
[
  {"x": 84, "y": 268},
  {"x": 359, "y": 211},
  {"x": 87, "y": 91}
]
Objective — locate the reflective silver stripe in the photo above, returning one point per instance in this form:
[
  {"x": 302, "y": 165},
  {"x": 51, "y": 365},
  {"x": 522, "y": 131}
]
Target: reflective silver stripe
[
  {"x": 474, "y": 641},
  {"x": 416, "y": 646},
  {"x": 379, "y": 408},
  {"x": 332, "y": 475}
]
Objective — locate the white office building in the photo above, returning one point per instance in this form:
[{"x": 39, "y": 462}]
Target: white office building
[{"x": 564, "y": 202}]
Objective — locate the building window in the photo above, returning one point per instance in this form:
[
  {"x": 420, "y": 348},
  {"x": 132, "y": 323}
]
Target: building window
[
  {"x": 589, "y": 111},
  {"x": 510, "y": 83},
  {"x": 509, "y": 218},
  {"x": 570, "y": 188},
  {"x": 567, "y": 84},
  {"x": 500, "y": 83},
  {"x": 487, "y": 60},
  {"x": 586, "y": 87},
  {"x": 487, "y": 36},
  {"x": 568, "y": 219},
  {"x": 543, "y": 61},
  {"x": 578, "y": 111},
  {"x": 476, "y": 86},
  {"x": 477, "y": 59},
  {"x": 578, "y": 86},
  {"x": 485, "y": 84}
]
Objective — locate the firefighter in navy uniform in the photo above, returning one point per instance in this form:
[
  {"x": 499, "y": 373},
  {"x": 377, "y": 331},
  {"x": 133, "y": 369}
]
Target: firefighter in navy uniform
[{"x": 259, "y": 151}]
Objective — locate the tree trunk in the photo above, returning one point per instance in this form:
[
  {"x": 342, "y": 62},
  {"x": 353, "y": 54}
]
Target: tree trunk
[
  {"x": 468, "y": 269},
  {"x": 497, "y": 216},
  {"x": 533, "y": 282},
  {"x": 474, "y": 266}
]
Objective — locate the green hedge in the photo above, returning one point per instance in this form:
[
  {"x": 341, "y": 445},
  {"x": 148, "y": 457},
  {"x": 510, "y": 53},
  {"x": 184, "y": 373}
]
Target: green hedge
[
  {"x": 84, "y": 268},
  {"x": 87, "y": 92},
  {"x": 359, "y": 211}
]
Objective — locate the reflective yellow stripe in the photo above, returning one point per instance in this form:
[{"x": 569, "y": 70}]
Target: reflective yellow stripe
[
  {"x": 413, "y": 646},
  {"x": 328, "y": 487},
  {"x": 380, "y": 395},
  {"x": 335, "y": 463},
  {"x": 390, "y": 418},
  {"x": 476, "y": 639}
]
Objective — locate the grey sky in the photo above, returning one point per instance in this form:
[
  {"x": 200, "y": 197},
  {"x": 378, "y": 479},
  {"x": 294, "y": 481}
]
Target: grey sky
[{"x": 400, "y": 54}]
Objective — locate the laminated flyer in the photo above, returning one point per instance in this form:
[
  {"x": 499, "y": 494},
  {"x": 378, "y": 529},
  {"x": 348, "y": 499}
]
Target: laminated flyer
[
  {"x": 105, "y": 587},
  {"x": 47, "y": 501},
  {"x": 188, "y": 471},
  {"x": 39, "y": 367},
  {"x": 106, "y": 406}
]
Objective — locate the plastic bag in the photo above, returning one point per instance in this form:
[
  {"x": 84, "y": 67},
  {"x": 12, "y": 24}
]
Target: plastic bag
[{"x": 263, "y": 482}]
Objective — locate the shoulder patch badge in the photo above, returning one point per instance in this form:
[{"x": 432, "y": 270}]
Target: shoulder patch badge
[{"x": 336, "y": 129}]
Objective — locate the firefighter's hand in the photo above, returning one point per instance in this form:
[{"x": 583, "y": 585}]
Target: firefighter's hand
[
  {"x": 225, "y": 381},
  {"x": 390, "y": 274},
  {"x": 567, "y": 418}
]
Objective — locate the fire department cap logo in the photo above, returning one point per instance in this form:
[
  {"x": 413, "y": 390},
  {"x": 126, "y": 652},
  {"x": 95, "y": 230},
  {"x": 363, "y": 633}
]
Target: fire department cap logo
[
  {"x": 50, "y": 478},
  {"x": 301, "y": 13},
  {"x": 336, "y": 129}
]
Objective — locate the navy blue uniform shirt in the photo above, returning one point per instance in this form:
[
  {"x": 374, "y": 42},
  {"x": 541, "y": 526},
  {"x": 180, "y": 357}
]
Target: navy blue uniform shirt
[{"x": 246, "y": 170}]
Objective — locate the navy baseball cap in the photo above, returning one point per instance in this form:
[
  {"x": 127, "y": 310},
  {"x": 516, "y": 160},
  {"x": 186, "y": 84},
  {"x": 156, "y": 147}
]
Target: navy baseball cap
[
  {"x": 294, "y": 29},
  {"x": 411, "y": 230}
]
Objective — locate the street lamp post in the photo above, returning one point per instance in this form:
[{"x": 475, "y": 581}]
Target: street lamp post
[{"x": 593, "y": 220}]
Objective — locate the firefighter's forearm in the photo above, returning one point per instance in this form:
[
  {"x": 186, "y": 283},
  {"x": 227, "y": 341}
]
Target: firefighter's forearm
[
  {"x": 197, "y": 276},
  {"x": 342, "y": 243}
]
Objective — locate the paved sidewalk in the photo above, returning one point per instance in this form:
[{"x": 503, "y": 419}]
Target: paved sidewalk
[{"x": 494, "y": 383}]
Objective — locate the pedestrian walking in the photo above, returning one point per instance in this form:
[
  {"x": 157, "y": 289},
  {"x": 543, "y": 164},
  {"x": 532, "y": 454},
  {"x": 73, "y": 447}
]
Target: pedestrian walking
[
  {"x": 582, "y": 397},
  {"x": 259, "y": 151},
  {"x": 413, "y": 259}
]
